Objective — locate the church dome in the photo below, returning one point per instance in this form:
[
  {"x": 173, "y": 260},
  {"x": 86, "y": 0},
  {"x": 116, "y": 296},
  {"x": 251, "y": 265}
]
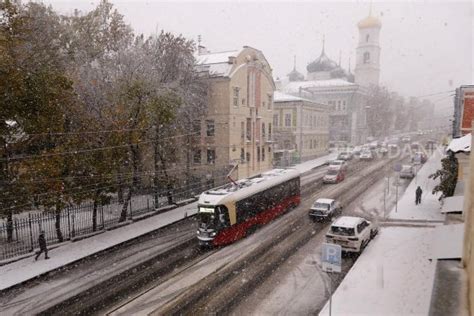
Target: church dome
[
  {"x": 323, "y": 63},
  {"x": 294, "y": 75},
  {"x": 369, "y": 22}
]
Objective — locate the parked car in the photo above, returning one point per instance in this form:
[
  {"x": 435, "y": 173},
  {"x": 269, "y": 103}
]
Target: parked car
[
  {"x": 415, "y": 146},
  {"x": 407, "y": 172},
  {"x": 345, "y": 156},
  {"x": 383, "y": 151},
  {"x": 366, "y": 155},
  {"x": 406, "y": 139},
  {"x": 393, "y": 148},
  {"x": 374, "y": 145},
  {"x": 352, "y": 233},
  {"x": 419, "y": 158},
  {"x": 338, "y": 164},
  {"x": 334, "y": 175},
  {"x": 356, "y": 151},
  {"x": 324, "y": 209}
]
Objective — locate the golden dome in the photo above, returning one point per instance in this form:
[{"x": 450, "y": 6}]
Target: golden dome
[{"x": 370, "y": 21}]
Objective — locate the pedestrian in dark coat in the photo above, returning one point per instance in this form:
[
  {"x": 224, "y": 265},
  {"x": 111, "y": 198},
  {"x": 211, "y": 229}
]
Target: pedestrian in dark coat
[
  {"x": 418, "y": 192},
  {"x": 42, "y": 244}
]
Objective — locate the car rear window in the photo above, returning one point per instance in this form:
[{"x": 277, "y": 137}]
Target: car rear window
[{"x": 343, "y": 231}]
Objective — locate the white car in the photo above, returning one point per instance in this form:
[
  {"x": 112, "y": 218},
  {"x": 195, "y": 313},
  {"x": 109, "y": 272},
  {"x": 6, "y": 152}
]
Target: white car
[
  {"x": 338, "y": 164},
  {"x": 366, "y": 155},
  {"x": 324, "y": 208},
  {"x": 407, "y": 172},
  {"x": 351, "y": 233}
]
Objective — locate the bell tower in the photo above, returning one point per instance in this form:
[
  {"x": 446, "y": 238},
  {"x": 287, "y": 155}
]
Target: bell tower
[{"x": 367, "y": 70}]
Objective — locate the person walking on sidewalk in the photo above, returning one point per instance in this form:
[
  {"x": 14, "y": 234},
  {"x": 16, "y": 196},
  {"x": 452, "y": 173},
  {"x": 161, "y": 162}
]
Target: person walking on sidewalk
[
  {"x": 42, "y": 244},
  {"x": 418, "y": 193}
]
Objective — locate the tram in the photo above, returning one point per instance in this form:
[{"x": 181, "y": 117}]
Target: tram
[{"x": 232, "y": 211}]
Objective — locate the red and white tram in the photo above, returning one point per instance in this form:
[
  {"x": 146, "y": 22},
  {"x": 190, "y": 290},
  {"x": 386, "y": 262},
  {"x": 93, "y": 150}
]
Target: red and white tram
[{"x": 230, "y": 212}]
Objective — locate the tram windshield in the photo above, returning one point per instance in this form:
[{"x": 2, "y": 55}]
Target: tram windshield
[{"x": 206, "y": 217}]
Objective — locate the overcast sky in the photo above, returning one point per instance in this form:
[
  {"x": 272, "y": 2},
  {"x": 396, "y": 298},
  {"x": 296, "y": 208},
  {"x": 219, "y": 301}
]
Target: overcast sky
[{"x": 427, "y": 46}]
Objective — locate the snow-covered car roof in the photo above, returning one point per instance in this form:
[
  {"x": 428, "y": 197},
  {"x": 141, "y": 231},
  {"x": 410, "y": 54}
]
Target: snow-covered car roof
[
  {"x": 324, "y": 201},
  {"x": 337, "y": 162},
  {"x": 347, "y": 221}
]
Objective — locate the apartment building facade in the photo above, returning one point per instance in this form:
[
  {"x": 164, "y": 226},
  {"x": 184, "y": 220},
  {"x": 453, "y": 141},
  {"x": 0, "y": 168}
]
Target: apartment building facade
[{"x": 238, "y": 127}]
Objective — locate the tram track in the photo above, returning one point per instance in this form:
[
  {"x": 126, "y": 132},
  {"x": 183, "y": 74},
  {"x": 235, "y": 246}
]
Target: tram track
[
  {"x": 143, "y": 276},
  {"x": 215, "y": 292}
]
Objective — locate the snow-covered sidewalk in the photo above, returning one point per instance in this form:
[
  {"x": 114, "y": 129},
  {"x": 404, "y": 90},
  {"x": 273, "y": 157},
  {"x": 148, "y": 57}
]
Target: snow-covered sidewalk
[
  {"x": 394, "y": 275},
  {"x": 26, "y": 269}
]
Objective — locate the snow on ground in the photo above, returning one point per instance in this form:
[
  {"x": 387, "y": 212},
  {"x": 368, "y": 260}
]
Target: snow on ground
[
  {"x": 28, "y": 268},
  {"x": 310, "y": 164},
  {"x": 429, "y": 208},
  {"x": 394, "y": 275}
]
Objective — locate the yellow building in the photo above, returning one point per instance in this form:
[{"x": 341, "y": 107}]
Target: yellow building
[{"x": 238, "y": 125}]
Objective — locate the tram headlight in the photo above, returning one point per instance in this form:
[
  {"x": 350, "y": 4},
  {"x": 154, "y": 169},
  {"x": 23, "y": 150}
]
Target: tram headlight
[
  {"x": 198, "y": 232},
  {"x": 212, "y": 234}
]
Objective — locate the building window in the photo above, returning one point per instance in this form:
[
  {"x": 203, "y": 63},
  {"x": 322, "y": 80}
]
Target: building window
[
  {"x": 263, "y": 153},
  {"x": 196, "y": 127},
  {"x": 269, "y": 131},
  {"x": 249, "y": 130},
  {"x": 211, "y": 156},
  {"x": 367, "y": 38},
  {"x": 242, "y": 130},
  {"x": 210, "y": 127},
  {"x": 258, "y": 153},
  {"x": 270, "y": 100},
  {"x": 197, "y": 156},
  {"x": 242, "y": 155},
  {"x": 275, "y": 119},
  {"x": 287, "y": 119},
  {"x": 243, "y": 101},
  {"x": 248, "y": 157},
  {"x": 366, "y": 57},
  {"x": 263, "y": 131},
  {"x": 236, "y": 96}
]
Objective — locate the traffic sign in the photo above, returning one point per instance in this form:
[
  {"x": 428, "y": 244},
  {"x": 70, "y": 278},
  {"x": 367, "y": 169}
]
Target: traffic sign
[{"x": 331, "y": 257}]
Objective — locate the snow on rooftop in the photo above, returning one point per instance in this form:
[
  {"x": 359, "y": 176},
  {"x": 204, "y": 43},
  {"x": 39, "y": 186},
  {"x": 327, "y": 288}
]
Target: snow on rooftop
[
  {"x": 216, "y": 63},
  {"x": 295, "y": 86},
  {"x": 448, "y": 241},
  {"x": 347, "y": 221},
  {"x": 283, "y": 97},
  {"x": 461, "y": 144},
  {"x": 215, "y": 196},
  {"x": 453, "y": 204}
]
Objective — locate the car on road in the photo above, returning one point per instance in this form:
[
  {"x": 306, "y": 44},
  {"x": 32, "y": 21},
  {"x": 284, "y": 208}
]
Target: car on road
[
  {"x": 374, "y": 145},
  {"x": 323, "y": 209},
  {"x": 338, "y": 164},
  {"x": 334, "y": 175},
  {"x": 383, "y": 151},
  {"x": 406, "y": 139},
  {"x": 352, "y": 233},
  {"x": 419, "y": 158},
  {"x": 346, "y": 155},
  {"x": 356, "y": 151},
  {"x": 366, "y": 155},
  {"x": 407, "y": 172}
]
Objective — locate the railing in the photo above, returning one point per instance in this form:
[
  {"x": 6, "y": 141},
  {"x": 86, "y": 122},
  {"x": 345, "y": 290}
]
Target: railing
[{"x": 20, "y": 236}]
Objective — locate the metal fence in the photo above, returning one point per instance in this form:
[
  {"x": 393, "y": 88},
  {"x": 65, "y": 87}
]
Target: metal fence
[{"x": 77, "y": 220}]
